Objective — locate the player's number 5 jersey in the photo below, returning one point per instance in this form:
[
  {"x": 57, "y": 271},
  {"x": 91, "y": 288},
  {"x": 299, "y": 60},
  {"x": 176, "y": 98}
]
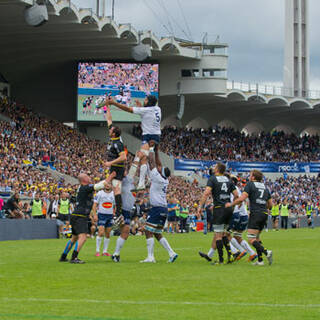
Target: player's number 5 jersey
[{"x": 150, "y": 119}]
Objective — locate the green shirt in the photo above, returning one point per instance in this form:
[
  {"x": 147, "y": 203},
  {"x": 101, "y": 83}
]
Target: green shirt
[
  {"x": 275, "y": 210},
  {"x": 177, "y": 210},
  {"x": 184, "y": 212},
  {"x": 284, "y": 211},
  {"x": 36, "y": 208},
  {"x": 64, "y": 206}
]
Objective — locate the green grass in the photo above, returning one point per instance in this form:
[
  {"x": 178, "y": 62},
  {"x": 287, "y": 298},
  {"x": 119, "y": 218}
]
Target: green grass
[{"x": 34, "y": 285}]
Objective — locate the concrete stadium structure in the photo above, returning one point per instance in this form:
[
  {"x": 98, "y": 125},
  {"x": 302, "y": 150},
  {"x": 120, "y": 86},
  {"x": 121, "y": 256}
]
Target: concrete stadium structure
[{"x": 40, "y": 65}]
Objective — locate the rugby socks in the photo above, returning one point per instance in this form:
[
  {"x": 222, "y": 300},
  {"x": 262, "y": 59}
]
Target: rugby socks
[
  {"x": 236, "y": 244},
  {"x": 220, "y": 250},
  {"x": 233, "y": 249},
  {"x": 75, "y": 252},
  {"x": 98, "y": 243},
  {"x": 67, "y": 249},
  {"x": 105, "y": 244},
  {"x": 150, "y": 246},
  {"x": 226, "y": 245},
  {"x": 119, "y": 245},
  {"x": 118, "y": 204},
  {"x": 260, "y": 249},
  {"x": 163, "y": 241},
  {"x": 211, "y": 253},
  {"x": 143, "y": 172},
  {"x": 246, "y": 245}
]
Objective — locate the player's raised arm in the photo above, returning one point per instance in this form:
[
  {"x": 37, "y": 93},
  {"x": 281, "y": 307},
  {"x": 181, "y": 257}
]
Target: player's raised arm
[
  {"x": 157, "y": 157},
  {"x": 238, "y": 200},
  {"x": 152, "y": 161},
  {"x": 108, "y": 117}
]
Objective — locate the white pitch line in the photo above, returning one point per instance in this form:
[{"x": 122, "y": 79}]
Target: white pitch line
[{"x": 193, "y": 303}]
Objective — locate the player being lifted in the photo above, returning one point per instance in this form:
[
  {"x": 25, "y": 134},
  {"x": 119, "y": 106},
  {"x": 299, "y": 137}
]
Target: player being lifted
[
  {"x": 150, "y": 122},
  {"x": 104, "y": 203},
  {"x": 116, "y": 160},
  {"x": 260, "y": 201},
  {"x": 159, "y": 208},
  {"x": 221, "y": 188}
]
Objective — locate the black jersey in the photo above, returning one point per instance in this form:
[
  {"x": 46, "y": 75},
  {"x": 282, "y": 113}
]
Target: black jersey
[
  {"x": 84, "y": 200},
  {"x": 258, "y": 196},
  {"x": 222, "y": 188},
  {"x": 115, "y": 148}
]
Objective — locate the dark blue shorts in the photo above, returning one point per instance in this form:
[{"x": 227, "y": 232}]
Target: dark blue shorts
[
  {"x": 238, "y": 223},
  {"x": 127, "y": 217},
  {"x": 105, "y": 220},
  {"x": 156, "y": 219},
  {"x": 146, "y": 138}
]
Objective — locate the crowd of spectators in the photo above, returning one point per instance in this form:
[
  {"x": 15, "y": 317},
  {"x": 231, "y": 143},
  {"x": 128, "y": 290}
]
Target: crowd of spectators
[
  {"x": 30, "y": 140},
  {"x": 227, "y": 144},
  {"x": 297, "y": 191},
  {"x": 140, "y": 77}
]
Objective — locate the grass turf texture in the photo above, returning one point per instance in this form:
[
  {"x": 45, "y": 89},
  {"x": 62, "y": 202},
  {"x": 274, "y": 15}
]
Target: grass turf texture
[{"x": 34, "y": 285}]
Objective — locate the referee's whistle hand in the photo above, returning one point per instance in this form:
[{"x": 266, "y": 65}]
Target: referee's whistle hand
[{"x": 228, "y": 205}]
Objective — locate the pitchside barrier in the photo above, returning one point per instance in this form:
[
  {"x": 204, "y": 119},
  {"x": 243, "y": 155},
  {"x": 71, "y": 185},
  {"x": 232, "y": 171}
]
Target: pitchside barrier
[
  {"x": 11, "y": 229},
  {"x": 48, "y": 229}
]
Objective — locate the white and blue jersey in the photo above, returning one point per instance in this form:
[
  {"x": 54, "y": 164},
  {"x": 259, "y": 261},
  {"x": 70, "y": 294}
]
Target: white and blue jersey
[
  {"x": 106, "y": 203},
  {"x": 239, "y": 220},
  {"x": 150, "y": 122},
  {"x": 158, "y": 200},
  {"x": 128, "y": 199}
]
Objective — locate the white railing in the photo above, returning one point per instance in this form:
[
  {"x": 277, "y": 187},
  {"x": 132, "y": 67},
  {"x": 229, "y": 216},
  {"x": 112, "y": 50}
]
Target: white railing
[{"x": 257, "y": 88}]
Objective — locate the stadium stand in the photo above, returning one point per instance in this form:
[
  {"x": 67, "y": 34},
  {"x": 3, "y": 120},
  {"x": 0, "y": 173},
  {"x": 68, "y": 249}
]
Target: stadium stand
[{"x": 227, "y": 144}]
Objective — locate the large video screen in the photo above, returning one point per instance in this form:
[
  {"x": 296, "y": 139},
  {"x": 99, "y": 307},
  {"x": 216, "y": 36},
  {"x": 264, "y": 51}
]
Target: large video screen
[{"x": 124, "y": 82}]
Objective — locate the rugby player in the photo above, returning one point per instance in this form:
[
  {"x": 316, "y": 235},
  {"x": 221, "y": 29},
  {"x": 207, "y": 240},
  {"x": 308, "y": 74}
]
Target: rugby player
[
  {"x": 150, "y": 122},
  {"x": 221, "y": 188},
  {"x": 159, "y": 210},
  {"x": 128, "y": 201},
  {"x": 79, "y": 216},
  {"x": 238, "y": 224},
  {"x": 116, "y": 160},
  {"x": 260, "y": 201},
  {"x": 105, "y": 203}
]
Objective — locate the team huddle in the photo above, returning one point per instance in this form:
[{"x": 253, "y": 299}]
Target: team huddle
[{"x": 114, "y": 199}]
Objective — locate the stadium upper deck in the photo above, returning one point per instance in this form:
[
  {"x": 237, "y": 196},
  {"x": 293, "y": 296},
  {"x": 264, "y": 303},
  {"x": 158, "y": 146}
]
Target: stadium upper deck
[{"x": 40, "y": 65}]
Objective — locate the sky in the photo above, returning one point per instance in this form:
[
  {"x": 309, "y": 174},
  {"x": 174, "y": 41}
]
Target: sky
[{"x": 253, "y": 29}]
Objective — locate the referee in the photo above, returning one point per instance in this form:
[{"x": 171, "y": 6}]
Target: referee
[{"x": 79, "y": 217}]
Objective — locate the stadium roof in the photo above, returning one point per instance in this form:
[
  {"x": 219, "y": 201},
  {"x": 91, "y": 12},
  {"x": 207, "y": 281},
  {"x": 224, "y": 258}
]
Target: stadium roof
[{"x": 40, "y": 61}]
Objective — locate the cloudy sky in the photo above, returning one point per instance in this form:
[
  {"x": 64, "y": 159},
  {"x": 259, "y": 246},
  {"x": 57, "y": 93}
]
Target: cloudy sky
[{"x": 254, "y": 30}]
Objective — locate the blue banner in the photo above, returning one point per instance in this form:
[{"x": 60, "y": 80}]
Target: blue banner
[{"x": 271, "y": 167}]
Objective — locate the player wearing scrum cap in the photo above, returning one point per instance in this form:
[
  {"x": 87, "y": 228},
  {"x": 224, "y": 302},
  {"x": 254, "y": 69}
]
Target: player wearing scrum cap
[
  {"x": 260, "y": 201},
  {"x": 79, "y": 216},
  {"x": 150, "y": 115}
]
